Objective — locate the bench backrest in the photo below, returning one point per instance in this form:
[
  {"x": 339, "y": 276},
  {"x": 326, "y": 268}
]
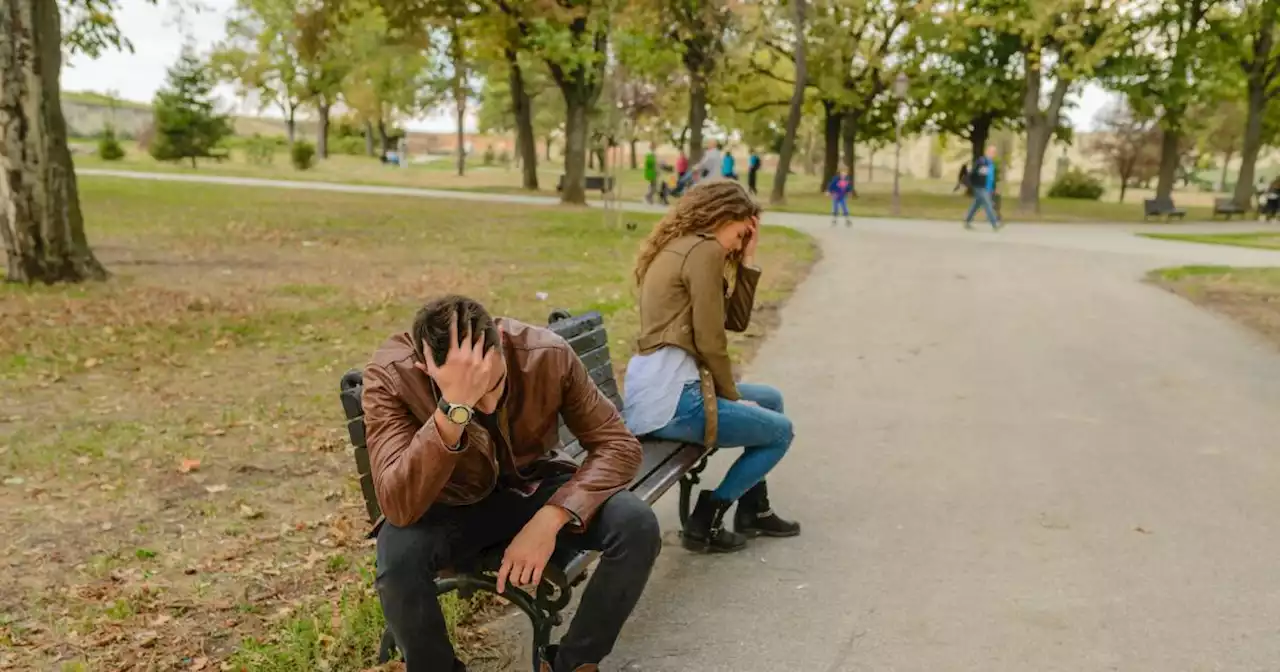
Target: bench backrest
[{"x": 586, "y": 334}]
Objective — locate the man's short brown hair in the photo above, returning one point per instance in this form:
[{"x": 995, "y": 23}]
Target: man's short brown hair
[{"x": 431, "y": 326}]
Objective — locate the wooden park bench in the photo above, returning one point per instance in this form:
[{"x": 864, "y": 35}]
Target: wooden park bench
[
  {"x": 664, "y": 464},
  {"x": 1161, "y": 207},
  {"x": 1227, "y": 207},
  {"x": 600, "y": 183}
]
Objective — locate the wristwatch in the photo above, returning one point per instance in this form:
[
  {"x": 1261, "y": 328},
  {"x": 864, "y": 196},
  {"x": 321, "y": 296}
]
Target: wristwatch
[{"x": 458, "y": 414}]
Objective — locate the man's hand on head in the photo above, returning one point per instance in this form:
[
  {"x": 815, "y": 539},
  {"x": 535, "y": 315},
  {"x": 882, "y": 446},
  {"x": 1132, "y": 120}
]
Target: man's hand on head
[
  {"x": 467, "y": 372},
  {"x": 529, "y": 552}
]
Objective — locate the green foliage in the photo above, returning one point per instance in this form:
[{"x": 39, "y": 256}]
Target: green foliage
[
  {"x": 1076, "y": 183},
  {"x": 260, "y": 151},
  {"x": 187, "y": 125},
  {"x": 109, "y": 148},
  {"x": 89, "y": 27},
  {"x": 351, "y": 146},
  {"x": 302, "y": 154}
]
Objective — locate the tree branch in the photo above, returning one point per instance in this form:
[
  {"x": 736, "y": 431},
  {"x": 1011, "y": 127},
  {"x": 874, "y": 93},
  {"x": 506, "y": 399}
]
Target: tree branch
[{"x": 761, "y": 106}]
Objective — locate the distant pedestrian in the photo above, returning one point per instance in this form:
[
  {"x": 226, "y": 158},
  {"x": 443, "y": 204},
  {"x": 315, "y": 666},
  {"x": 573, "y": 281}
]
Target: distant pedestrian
[
  {"x": 682, "y": 164},
  {"x": 651, "y": 173},
  {"x": 983, "y": 180},
  {"x": 753, "y": 167},
  {"x": 711, "y": 163},
  {"x": 727, "y": 167},
  {"x": 839, "y": 189}
]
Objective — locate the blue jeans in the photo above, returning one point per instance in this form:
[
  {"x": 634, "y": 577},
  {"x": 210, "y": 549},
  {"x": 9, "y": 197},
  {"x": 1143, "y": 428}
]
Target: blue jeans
[
  {"x": 763, "y": 432},
  {"x": 838, "y": 204},
  {"x": 982, "y": 198}
]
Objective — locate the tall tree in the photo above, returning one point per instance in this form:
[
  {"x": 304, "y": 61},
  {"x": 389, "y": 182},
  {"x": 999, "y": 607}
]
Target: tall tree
[
  {"x": 321, "y": 53},
  {"x": 391, "y": 68},
  {"x": 1257, "y": 36},
  {"x": 261, "y": 55},
  {"x": 1061, "y": 43},
  {"x": 187, "y": 124},
  {"x": 1174, "y": 74},
  {"x": 1222, "y": 133},
  {"x": 572, "y": 38},
  {"x": 798, "y": 29},
  {"x": 40, "y": 218},
  {"x": 968, "y": 83},
  {"x": 700, "y": 29}
]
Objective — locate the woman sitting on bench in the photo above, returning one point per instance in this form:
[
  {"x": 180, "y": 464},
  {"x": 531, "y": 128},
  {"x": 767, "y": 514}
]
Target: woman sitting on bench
[{"x": 697, "y": 280}]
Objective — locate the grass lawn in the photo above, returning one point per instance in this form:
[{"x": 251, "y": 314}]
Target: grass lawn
[
  {"x": 1249, "y": 295},
  {"x": 922, "y": 198},
  {"x": 177, "y": 489},
  {"x": 1266, "y": 240}
]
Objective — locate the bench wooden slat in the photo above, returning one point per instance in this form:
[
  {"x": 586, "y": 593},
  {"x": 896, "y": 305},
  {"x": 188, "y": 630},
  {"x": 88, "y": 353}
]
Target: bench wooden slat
[
  {"x": 602, "y": 374},
  {"x": 594, "y": 359},
  {"x": 576, "y": 326},
  {"x": 589, "y": 341}
]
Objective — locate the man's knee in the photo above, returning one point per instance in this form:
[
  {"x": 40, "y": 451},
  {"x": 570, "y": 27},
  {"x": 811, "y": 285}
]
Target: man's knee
[
  {"x": 631, "y": 524},
  {"x": 410, "y": 554}
]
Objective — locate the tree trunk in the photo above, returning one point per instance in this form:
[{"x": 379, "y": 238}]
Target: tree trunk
[
  {"x": 526, "y": 144},
  {"x": 779, "y": 194},
  {"x": 633, "y": 153},
  {"x": 871, "y": 164},
  {"x": 591, "y": 160},
  {"x": 322, "y": 134},
  {"x": 1244, "y": 196},
  {"x": 832, "y": 120},
  {"x": 290, "y": 126},
  {"x": 461, "y": 105},
  {"x": 849, "y": 135},
  {"x": 697, "y": 114},
  {"x": 382, "y": 137},
  {"x": 1169, "y": 160},
  {"x": 575, "y": 150},
  {"x": 547, "y": 147},
  {"x": 1040, "y": 125},
  {"x": 1226, "y": 161},
  {"x": 979, "y": 131},
  {"x": 40, "y": 218},
  {"x": 1124, "y": 185},
  {"x": 368, "y": 138}
]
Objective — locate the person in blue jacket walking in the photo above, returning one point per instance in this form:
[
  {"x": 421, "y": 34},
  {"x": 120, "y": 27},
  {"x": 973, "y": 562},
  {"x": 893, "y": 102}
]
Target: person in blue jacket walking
[
  {"x": 727, "y": 167},
  {"x": 983, "y": 180},
  {"x": 839, "y": 189}
]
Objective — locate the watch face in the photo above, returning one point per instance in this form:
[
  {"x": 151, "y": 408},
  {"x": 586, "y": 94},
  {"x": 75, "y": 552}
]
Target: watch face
[{"x": 459, "y": 415}]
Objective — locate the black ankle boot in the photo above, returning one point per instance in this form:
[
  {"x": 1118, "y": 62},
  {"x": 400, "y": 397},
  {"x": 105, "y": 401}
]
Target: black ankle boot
[
  {"x": 705, "y": 532},
  {"x": 755, "y": 518}
]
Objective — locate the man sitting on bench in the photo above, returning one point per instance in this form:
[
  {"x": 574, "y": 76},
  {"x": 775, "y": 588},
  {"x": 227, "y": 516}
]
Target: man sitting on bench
[{"x": 461, "y": 418}]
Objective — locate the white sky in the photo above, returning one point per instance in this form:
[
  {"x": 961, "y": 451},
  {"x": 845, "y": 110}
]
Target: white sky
[{"x": 158, "y": 32}]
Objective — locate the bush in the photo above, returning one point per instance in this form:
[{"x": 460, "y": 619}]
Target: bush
[
  {"x": 109, "y": 148},
  {"x": 1076, "y": 183},
  {"x": 347, "y": 144},
  {"x": 303, "y": 154},
  {"x": 260, "y": 151}
]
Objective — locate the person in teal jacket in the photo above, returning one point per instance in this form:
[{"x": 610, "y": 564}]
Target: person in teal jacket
[
  {"x": 726, "y": 167},
  {"x": 983, "y": 180}
]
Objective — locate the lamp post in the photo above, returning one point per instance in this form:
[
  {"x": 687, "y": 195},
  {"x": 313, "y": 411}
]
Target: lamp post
[{"x": 899, "y": 92}]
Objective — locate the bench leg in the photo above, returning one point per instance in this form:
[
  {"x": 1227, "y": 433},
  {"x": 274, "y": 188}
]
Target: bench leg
[
  {"x": 542, "y": 619},
  {"x": 687, "y": 483}
]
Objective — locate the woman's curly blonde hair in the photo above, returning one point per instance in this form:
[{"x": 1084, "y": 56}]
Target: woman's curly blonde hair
[{"x": 704, "y": 209}]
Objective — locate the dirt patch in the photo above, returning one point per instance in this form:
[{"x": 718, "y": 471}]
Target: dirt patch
[{"x": 1248, "y": 295}]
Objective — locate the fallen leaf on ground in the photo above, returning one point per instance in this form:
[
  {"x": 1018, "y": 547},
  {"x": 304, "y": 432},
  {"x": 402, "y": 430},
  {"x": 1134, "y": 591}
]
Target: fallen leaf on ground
[
  {"x": 221, "y": 487},
  {"x": 249, "y": 512}
]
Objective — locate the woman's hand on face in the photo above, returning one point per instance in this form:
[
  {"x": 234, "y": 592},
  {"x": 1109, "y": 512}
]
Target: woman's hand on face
[{"x": 752, "y": 240}]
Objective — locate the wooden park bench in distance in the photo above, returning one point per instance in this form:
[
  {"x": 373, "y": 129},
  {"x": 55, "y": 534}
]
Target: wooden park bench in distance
[
  {"x": 664, "y": 464},
  {"x": 1161, "y": 207},
  {"x": 598, "y": 183},
  {"x": 1227, "y": 207}
]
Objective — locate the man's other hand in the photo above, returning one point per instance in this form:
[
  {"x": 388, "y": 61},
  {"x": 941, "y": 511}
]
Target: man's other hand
[{"x": 529, "y": 552}]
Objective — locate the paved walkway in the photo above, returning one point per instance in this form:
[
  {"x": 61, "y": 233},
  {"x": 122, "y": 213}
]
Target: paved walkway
[{"x": 1011, "y": 455}]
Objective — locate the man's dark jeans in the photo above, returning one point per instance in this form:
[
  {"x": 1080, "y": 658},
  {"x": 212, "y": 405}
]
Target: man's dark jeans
[{"x": 624, "y": 530}]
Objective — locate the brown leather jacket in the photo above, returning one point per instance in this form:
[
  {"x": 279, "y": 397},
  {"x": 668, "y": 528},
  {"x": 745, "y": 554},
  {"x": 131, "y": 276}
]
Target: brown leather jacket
[
  {"x": 691, "y": 296},
  {"x": 412, "y": 468},
  {"x": 688, "y": 300}
]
